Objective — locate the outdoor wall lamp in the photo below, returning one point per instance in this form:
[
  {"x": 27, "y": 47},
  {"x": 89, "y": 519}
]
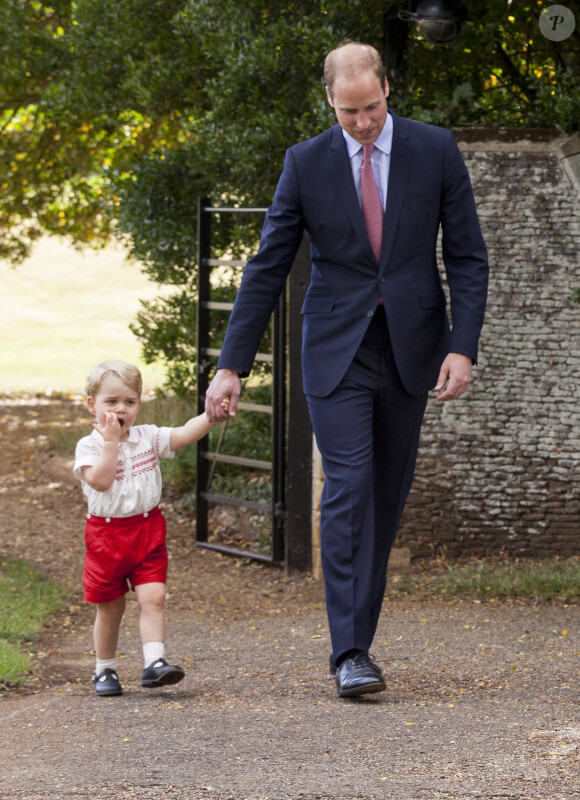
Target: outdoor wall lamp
[{"x": 438, "y": 21}]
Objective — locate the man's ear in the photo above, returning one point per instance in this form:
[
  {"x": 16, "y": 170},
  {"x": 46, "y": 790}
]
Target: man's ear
[
  {"x": 329, "y": 97},
  {"x": 387, "y": 90}
]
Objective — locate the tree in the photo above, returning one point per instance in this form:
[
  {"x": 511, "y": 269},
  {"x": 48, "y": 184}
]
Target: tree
[
  {"x": 499, "y": 71},
  {"x": 116, "y": 114}
]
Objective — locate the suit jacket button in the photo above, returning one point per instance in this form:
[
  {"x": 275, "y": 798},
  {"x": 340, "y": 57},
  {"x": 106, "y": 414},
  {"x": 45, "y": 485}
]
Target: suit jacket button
[{"x": 369, "y": 313}]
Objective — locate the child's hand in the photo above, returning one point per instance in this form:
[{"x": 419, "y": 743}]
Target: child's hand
[
  {"x": 225, "y": 404},
  {"x": 110, "y": 429}
]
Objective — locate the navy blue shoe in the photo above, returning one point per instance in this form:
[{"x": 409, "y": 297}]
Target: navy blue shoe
[
  {"x": 107, "y": 683},
  {"x": 160, "y": 673}
]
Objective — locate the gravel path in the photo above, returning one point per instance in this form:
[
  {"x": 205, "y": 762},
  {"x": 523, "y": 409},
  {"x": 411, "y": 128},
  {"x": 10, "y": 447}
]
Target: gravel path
[{"x": 482, "y": 699}]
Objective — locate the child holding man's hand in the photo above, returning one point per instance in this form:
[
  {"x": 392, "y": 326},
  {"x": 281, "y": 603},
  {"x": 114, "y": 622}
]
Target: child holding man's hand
[{"x": 118, "y": 466}]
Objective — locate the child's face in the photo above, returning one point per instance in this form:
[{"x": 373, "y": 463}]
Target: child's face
[{"x": 115, "y": 397}]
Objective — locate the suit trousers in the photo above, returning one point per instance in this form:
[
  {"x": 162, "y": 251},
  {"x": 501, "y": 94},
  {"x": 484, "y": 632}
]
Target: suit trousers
[{"x": 367, "y": 431}]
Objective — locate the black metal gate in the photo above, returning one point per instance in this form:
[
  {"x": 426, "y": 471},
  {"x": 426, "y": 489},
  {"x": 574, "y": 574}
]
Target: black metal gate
[{"x": 287, "y": 468}]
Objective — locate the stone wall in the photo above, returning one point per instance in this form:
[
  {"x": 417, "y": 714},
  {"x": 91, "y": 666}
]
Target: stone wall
[{"x": 499, "y": 470}]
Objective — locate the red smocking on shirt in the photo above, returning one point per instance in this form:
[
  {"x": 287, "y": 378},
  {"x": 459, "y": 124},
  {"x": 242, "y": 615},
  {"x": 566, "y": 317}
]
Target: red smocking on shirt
[{"x": 143, "y": 462}]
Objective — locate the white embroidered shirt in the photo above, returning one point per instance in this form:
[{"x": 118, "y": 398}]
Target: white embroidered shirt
[{"x": 137, "y": 485}]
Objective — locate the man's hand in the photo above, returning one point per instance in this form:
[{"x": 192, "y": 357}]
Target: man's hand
[
  {"x": 226, "y": 385},
  {"x": 454, "y": 377}
]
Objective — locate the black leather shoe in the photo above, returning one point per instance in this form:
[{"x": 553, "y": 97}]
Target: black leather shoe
[
  {"x": 160, "y": 673},
  {"x": 107, "y": 683},
  {"x": 332, "y": 665},
  {"x": 359, "y": 675}
]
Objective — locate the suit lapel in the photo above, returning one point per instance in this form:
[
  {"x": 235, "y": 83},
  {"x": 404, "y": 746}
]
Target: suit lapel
[
  {"x": 342, "y": 172},
  {"x": 398, "y": 175}
]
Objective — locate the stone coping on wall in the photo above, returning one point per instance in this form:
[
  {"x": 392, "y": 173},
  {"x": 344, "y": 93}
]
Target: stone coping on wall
[
  {"x": 531, "y": 140},
  {"x": 510, "y": 136}
]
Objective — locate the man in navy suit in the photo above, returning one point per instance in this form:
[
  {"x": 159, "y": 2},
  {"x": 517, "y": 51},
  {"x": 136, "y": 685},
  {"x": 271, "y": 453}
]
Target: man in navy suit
[{"x": 376, "y": 333}]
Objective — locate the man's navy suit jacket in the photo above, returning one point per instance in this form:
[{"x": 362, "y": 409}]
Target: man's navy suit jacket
[{"x": 429, "y": 189}]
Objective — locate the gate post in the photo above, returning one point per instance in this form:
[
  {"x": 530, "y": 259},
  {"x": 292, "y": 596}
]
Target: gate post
[{"x": 298, "y": 539}]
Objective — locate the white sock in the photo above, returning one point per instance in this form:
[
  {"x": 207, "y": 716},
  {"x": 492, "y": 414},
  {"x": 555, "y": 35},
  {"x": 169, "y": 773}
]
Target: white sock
[
  {"x": 105, "y": 663},
  {"x": 153, "y": 651}
]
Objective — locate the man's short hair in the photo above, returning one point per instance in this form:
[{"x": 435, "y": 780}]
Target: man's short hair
[{"x": 350, "y": 59}]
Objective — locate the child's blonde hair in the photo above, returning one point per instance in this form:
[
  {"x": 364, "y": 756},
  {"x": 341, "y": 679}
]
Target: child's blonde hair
[{"x": 129, "y": 374}]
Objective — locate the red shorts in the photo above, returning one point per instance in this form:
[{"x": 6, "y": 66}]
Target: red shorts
[{"x": 121, "y": 550}]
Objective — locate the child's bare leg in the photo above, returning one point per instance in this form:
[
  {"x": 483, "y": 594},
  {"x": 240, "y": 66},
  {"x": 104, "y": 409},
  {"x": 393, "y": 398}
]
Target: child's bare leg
[
  {"x": 107, "y": 626},
  {"x": 157, "y": 672},
  {"x": 151, "y": 599},
  {"x": 106, "y": 636}
]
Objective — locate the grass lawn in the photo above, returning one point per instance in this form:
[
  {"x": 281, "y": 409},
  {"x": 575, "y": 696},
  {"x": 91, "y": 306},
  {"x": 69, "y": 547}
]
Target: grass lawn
[
  {"x": 26, "y": 602},
  {"x": 63, "y": 311},
  {"x": 489, "y": 580}
]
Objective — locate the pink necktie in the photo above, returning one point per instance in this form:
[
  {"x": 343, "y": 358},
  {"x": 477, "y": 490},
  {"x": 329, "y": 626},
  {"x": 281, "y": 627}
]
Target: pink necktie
[{"x": 371, "y": 202}]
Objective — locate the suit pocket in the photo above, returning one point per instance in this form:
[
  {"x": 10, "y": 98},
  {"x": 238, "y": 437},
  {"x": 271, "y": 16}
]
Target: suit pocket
[
  {"x": 434, "y": 299},
  {"x": 318, "y": 304}
]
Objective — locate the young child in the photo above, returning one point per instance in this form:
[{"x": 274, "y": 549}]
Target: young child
[{"x": 118, "y": 466}]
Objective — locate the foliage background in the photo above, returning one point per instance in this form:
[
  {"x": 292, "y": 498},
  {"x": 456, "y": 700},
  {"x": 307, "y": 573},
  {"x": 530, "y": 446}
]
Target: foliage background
[{"x": 117, "y": 114}]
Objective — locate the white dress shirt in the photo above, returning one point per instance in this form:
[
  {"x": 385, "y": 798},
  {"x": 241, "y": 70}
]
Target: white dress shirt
[
  {"x": 381, "y": 159},
  {"x": 137, "y": 485}
]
